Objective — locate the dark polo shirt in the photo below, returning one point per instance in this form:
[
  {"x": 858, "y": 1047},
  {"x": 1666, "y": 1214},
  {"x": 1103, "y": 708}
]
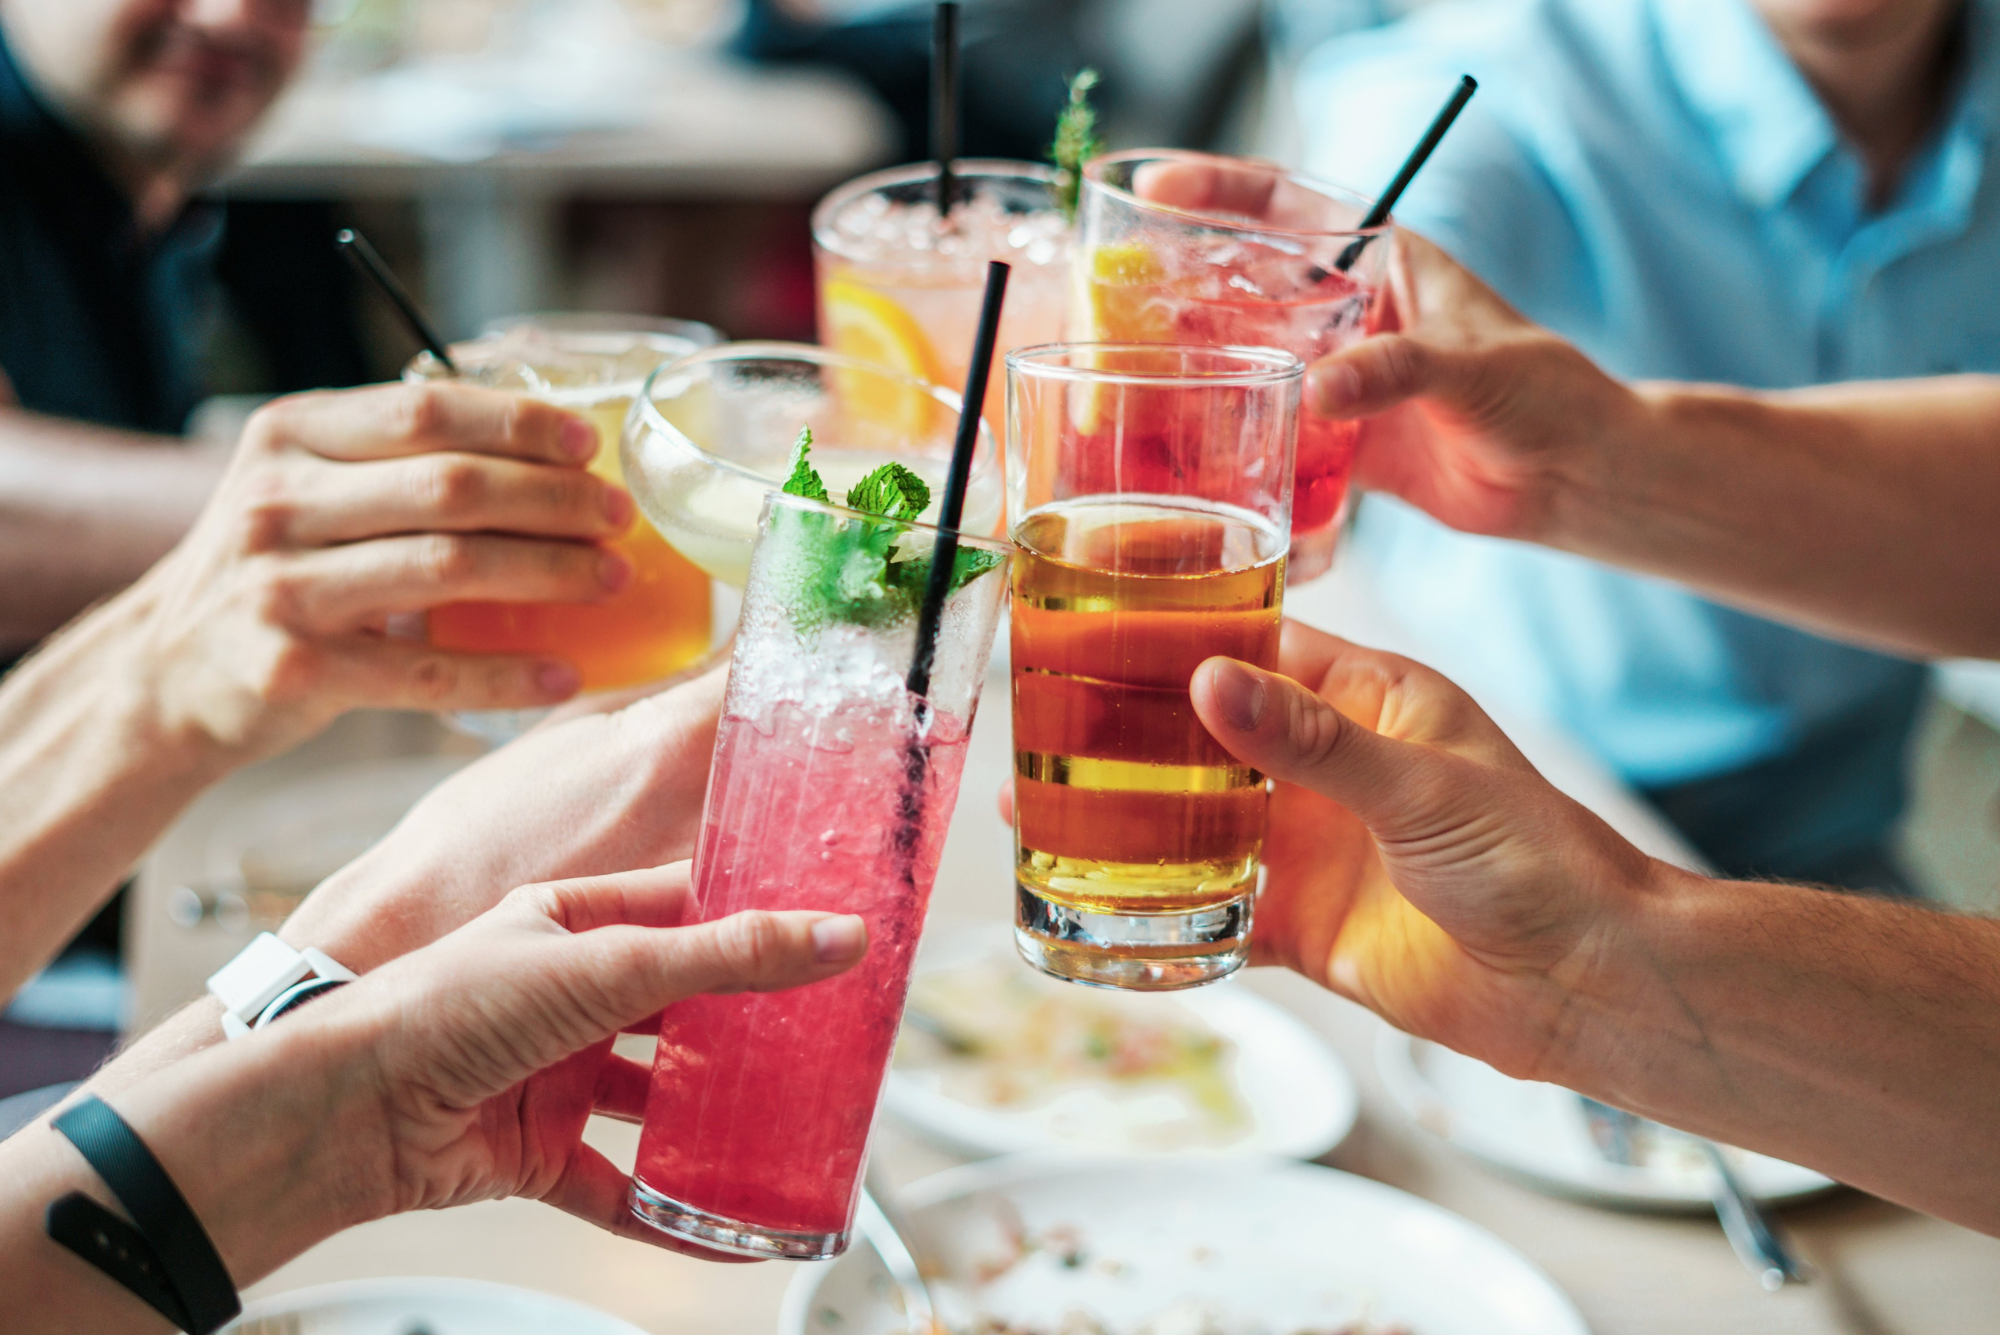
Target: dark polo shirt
[{"x": 97, "y": 320}]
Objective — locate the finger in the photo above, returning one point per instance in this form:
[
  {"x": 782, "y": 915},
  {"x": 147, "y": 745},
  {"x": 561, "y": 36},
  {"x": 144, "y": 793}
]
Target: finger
[
  {"x": 367, "y": 671},
  {"x": 391, "y": 421},
  {"x": 349, "y": 587},
  {"x": 1376, "y": 374},
  {"x": 613, "y": 976},
  {"x": 1205, "y": 187},
  {"x": 1279, "y": 727},
  {"x": 622, "y": 1085},
  {"x": 649, "y": 897},
  {"x": 452, "y": 492},
  {"x": 591, "y": 1188}
]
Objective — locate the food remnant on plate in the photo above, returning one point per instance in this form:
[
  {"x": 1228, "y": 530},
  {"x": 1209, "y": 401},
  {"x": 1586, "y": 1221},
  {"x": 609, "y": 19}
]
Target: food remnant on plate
[{"x": 1100, "y": 1068}]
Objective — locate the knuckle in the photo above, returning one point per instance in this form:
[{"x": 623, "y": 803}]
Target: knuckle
[
  {"x": 267, "y": 510},
  {"x": 451, "y": 488},
  {"x": 752, "y": 946},
  {"x": 1319, "y": 732},
  {"x": 445, "y": 558},
  {"x": 419, "y": 411},
  {"x": 433, "y": 678},
  {"x": 292, "y": 669}
]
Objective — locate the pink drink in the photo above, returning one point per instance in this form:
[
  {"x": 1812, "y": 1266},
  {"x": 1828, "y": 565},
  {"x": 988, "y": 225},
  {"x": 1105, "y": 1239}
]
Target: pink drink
[
  {"x": 761, "y": 1102},
  {"x": 1151, "y": 273}
]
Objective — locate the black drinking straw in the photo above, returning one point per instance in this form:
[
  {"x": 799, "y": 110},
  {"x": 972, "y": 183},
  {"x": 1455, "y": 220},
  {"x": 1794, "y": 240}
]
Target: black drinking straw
[
  {"x": 945, "y": 554},
  {"x": 1419, "y": 155},
  {"x": 355, "y": 246},
  {"x": 944, "y": 101}
]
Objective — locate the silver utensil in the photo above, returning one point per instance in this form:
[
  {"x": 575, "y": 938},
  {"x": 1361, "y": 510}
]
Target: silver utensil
[
  {"x": 1756, "y": 1241},
  {"x": 884, "y": 1228}
]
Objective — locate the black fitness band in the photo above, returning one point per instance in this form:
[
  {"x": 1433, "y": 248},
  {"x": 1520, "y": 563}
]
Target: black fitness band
[{"x": 168, "y": 1260}]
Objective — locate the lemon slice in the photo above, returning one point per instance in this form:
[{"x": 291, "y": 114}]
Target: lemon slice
[
  {"x": 1120, "y": 301},
  {"x": 869, "y": 327}
]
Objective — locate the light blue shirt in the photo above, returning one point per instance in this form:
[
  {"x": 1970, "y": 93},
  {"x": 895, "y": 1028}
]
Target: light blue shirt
[{"x": 1654, "y": 180}]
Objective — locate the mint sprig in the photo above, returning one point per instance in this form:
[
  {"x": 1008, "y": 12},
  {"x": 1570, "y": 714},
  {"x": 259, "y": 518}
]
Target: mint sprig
[
  {"x": 804, "y": 480},
  {"x": 855, "y": 572},
  {"x": 1077, "y": 142}
]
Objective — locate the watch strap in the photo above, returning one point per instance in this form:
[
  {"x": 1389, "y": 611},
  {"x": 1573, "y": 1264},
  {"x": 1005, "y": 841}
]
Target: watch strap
[{"x": 186, "y": 1260}]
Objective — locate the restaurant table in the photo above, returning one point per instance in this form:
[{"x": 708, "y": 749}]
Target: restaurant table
[
  {"x": 705, "y": 128},
  {"x": 1881, "y": 1270}
]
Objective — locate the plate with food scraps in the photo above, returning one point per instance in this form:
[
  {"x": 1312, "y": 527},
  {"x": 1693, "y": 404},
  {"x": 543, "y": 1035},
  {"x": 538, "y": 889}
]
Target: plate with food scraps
[
  {"x": 1061, "y": 1244},
  {"x": 997, "y": 1058},
  {"x": 407, "y": 1306},
  {"x": 1543, "y": 1135}
]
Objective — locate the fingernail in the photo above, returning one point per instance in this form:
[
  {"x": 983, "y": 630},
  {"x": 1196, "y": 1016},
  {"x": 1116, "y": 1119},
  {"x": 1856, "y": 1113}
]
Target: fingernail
[
  {"x": 557, "y": 680},
  {"x": 613, "y": 571},
  {"x": 838, "y": 940},
  {"x": 1240, "y": 692},
  {"x": 579, "y": 439},
  {"x": 1335, "y": 387},
  {"x": 618, "y": 506}
]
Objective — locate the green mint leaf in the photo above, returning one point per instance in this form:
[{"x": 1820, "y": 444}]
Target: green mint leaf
[
  {"x": 968, "y": 564},
  {"x": 805, "y": 479},
  {"x": 1077, "y": 142},
  {"x": 892, "y": 491}
]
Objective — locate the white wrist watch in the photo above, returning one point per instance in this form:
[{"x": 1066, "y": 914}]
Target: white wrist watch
[{"x": 269, "y": 978}]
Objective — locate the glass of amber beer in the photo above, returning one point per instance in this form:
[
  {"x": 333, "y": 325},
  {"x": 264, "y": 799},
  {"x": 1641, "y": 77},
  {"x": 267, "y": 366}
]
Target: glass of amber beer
[
  {"x": 660, "y": 623},
  {"x": 1149, "y": 492}
]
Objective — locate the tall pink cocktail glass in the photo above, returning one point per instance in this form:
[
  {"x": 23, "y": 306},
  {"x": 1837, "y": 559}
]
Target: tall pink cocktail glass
[
  {"x": 1179, "y": 247},
  {"x": 831, "y": 789}
]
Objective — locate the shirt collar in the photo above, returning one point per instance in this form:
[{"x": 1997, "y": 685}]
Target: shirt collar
[{"x": 1763, "y": 117}]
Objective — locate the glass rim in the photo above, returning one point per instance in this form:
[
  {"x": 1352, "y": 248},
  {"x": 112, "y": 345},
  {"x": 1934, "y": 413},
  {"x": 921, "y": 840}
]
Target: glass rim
[
  {"x": 1093, "y": 178},
  {"x": 776, "y": 497},
  {"x": 698, "y": 332},
  {"x": 1265, "y": 366},
  {"x": 909, "y": 172},
  {"x": 424, "y": 366},
  {"x": 773, "y": 350}
]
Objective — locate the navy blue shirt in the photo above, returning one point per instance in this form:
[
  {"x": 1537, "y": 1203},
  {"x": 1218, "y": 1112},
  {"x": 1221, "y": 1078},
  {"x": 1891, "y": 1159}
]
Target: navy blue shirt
[{"x": 98, "y": 320}]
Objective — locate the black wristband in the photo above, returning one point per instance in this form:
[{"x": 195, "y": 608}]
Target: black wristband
[{"x": 169, "y": 1255}]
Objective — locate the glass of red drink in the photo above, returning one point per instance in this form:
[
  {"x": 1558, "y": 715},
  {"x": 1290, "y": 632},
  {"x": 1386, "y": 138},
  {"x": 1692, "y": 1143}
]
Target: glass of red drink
[
  {"x": 1180, "y": 247},
  {"x": 830, "y": 789},
  {"x": 1149, "y": 488}
]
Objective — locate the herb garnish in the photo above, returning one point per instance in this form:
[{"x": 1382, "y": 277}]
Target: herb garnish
[
  {"x": 862, "y": 572},
  {"x": 1077, "y": 142}
]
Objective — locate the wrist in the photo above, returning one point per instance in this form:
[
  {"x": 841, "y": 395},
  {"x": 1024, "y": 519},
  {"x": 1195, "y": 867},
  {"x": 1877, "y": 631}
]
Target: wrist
[
  {"x": 269, "y": 1139},
  {"x": 1614, "y": 427}
]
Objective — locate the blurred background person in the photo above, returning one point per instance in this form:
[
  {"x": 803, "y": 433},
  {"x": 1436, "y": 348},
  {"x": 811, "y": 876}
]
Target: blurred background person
[
  {"x": 1769, "y": 193},
  {"x": 114, "y": 283}
]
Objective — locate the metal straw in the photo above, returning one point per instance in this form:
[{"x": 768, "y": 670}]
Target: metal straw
[
  {"x": 1419, "y": 155},
  {"x": 355, "y": 246}
]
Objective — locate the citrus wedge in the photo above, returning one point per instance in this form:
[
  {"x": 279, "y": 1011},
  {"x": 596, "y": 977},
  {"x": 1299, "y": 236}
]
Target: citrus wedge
[{"x": 870, "y": 327}]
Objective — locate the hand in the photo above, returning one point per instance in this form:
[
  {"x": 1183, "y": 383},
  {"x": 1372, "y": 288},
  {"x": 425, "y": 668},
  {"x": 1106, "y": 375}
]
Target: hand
[
  {"x": 1414, "y": 861},
  {"x": 487, "y": 1051},
  {"x": 1474, "y": 415},
  {"x": 341, "y": 510},
  {"x": 585, "y": 797}
]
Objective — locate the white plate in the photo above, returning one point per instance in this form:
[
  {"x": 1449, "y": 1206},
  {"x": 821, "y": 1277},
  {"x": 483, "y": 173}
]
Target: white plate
[
  {"x": 441, "y": 1306},
  {"x": 1260, "y": 1246},
  {"x": 1299, "y": 1098},
  {"x": 1537, "y": 1133}
]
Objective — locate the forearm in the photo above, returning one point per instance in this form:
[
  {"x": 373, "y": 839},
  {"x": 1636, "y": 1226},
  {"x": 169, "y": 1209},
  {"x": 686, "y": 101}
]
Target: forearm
[
  {"x": 1867, "y": 511},
  {"x": 1857, "y": 1036},
  {"x": 90, "y": 773},
  {"x": 83, "y": 512},
  {"x": 266, "y": 1139}
]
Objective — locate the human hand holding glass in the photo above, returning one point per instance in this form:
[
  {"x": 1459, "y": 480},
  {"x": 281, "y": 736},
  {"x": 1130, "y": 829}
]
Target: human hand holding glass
[{"x": 461, "y": 1072}]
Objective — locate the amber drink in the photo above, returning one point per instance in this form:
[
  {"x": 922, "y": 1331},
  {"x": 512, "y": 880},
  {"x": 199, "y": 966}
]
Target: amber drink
[{"x": 1137, "y": 836}]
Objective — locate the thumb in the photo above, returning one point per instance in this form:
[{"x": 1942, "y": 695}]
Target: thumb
[
  {"x": 1275, "y": 725},
  {"x": 1376, "y": 374}
]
